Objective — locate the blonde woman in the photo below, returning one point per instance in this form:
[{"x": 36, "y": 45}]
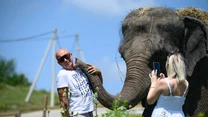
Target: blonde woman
[{"x": 170, "y": 91}]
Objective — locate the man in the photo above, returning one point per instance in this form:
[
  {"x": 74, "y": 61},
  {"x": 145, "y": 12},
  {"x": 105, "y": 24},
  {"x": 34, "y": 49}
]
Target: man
[{"x": 75, "y": 95}]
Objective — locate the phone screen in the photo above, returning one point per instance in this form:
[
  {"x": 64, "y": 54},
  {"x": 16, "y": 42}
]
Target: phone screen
[{"x": 156, "y": 65}]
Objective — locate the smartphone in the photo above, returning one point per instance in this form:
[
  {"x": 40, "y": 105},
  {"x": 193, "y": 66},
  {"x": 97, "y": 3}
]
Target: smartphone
[{"x": 156, "y": 66}]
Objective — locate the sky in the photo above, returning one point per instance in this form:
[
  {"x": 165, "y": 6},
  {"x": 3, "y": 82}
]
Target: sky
[{"x": 97, "y": 22}]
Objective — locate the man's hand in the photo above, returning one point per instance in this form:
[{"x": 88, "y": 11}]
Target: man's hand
[{"x": 94, "y": 70}]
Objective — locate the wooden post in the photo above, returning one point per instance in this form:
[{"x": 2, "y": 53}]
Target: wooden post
[
  {"x": 45, "y": 105},
  {"x": 18, "y": 114}
]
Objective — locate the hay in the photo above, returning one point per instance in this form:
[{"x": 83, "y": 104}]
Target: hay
[
  {"x": 141, "y": 11},
  {"x": 194, "y": 12},
  {"x": 144, "y": 10}
]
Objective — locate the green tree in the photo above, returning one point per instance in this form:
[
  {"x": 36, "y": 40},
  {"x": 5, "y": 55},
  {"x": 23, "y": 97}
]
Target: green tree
[{"x": 8, "y": 74}]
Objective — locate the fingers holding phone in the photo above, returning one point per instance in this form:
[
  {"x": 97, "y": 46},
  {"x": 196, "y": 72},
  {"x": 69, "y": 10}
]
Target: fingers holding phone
[
  {"x": 162, "y": 75},
  {"x": 153, "y": 77},
  {"x": 154, "y": 73},
  {"x": 156, "y": 70}
]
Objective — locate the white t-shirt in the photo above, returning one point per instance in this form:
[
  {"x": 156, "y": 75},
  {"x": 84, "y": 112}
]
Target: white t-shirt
[{"x": 81, "y": 100}]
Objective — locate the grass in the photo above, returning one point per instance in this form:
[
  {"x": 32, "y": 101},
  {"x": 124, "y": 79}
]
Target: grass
[
  {"x": 13, "y": 99},
  {"x": 119, "y": 112}
]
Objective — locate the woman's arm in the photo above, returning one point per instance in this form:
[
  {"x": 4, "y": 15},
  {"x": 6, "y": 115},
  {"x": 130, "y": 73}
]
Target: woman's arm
[{"x": 155, "y": 88}]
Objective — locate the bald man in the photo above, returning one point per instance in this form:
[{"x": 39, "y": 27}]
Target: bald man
[{"x": 75, "y": 95}]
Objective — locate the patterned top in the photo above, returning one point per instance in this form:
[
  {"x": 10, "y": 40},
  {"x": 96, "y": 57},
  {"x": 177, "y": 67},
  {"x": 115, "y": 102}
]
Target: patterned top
[{"x": 79, "y": 93}]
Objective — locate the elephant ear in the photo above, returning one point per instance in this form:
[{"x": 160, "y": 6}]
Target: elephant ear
[{"x": 196, "y": 44}]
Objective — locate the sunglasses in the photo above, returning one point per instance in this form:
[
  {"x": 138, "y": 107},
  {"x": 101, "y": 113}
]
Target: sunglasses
[{"x": 61, "y": 59}]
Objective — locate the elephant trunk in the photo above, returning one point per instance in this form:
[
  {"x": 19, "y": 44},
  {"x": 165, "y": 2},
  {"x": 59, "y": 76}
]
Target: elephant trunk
[
  {"x": 137, "y": 80},
  {"x": 134, "y": 89}
]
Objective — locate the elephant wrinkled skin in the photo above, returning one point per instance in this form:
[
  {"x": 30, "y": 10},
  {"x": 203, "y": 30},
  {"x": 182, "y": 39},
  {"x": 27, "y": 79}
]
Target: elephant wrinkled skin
[{"x": 149, "y": 34}]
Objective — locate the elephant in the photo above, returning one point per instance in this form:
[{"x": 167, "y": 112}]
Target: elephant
[{"x": 150, "y": 34}]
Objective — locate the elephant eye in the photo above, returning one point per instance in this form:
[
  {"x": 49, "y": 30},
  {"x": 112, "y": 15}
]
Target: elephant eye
[
  {"x": 124, "y": 28},
  {"x": 141, "y": 29}
]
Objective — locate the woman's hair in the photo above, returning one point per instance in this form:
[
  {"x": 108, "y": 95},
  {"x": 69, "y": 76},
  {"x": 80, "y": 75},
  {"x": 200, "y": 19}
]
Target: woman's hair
[{"x": 175, "y": 67}]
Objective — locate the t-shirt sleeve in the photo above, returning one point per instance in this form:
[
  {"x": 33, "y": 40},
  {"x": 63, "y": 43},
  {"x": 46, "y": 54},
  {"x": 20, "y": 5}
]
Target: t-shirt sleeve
[{"x": 62, "y": 80}]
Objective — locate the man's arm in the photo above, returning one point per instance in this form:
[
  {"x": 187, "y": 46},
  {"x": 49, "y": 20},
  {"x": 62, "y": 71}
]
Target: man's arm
[{"x": 63, "y": 98}]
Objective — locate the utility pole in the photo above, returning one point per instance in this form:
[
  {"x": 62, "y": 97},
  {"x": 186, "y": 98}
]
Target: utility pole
[
  {"x": 51, "y": 42},
  {"x": 53, "y": 67},
  {"x": 39, "y": 70}
]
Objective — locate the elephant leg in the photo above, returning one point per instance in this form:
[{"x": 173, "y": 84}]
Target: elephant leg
[{"x": 197, "y": 98}]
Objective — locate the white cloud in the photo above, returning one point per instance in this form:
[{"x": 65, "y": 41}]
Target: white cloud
[{"x": 110, "y": 7}]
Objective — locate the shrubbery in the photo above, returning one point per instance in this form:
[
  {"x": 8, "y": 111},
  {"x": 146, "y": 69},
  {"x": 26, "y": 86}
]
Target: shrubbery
[{"x": 9, "y": 76}]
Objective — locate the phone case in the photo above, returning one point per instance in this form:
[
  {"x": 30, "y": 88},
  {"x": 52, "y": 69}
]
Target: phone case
[{"x": 156, "y": 66}]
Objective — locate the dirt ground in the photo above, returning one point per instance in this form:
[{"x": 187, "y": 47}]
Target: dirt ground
[{"x": 56, "y": 112}]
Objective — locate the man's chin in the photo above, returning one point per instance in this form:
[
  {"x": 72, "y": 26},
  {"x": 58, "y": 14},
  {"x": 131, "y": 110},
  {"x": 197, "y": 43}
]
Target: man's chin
[{"x": 69, "y": 68}]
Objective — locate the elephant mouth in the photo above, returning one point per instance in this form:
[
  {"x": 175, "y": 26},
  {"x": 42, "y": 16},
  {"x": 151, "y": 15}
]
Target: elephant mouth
[{"x": 161, "y": 57}]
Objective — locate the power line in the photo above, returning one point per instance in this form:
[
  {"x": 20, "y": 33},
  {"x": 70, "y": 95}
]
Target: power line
[
  {"x": 67, "y": 36},
  {"x": 119, "y": 70},
  {"x": 25, "y": 38}
]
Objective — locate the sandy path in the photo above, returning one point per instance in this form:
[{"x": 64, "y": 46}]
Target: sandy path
[{"x": 56, "y": 112}]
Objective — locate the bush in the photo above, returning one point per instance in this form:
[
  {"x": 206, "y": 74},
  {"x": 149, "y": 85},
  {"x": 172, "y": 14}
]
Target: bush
[{"x": 9, "y": 76}]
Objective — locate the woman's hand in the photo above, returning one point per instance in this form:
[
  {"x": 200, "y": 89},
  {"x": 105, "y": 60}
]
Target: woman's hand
[
  {"x": 154, "y": 77},
  {"x": 162, "y": 75}
]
